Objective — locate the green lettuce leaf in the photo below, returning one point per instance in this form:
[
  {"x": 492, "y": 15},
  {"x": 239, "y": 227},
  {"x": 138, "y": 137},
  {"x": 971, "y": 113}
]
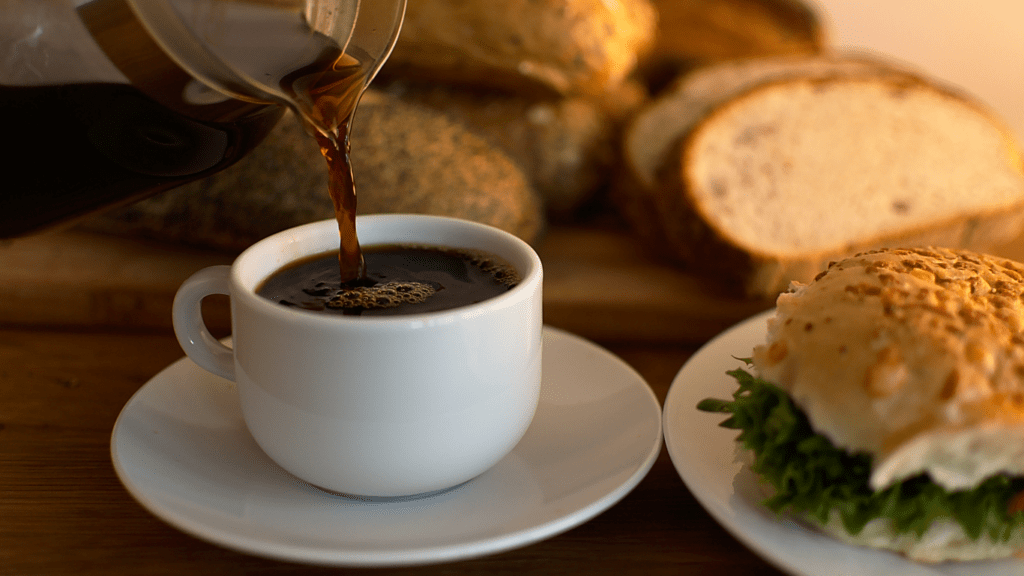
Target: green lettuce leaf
[{"x": 812, "y": 477}]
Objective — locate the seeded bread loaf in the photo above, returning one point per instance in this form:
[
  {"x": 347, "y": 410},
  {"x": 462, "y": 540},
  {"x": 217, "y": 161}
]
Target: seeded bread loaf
[
  {"x": 406, "y": 158},
  {"x": 566, "y": 146},
  {"x": 914, "y": 357},
  {"x": 788, "y": 171},
  {"x": 566, "y": 47}
]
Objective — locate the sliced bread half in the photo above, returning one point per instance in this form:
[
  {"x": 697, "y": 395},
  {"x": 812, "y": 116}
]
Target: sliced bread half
[
  {"x": 770, "y": 182},
  {"x": 655, "y": 131},
  {"x": 798, "y": 172}
]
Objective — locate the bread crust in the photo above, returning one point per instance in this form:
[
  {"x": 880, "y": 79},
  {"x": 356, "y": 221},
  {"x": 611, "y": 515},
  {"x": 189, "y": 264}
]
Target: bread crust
[{"x": 914, "y": 356}]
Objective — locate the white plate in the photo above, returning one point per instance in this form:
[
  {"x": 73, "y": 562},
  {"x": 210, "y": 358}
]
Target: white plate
[
  {"x": 181, "y": 449},
  {"x": 704, "y": 455}
]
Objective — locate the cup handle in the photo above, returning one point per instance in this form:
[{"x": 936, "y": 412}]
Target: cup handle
[{"x": 187, "y": 316}]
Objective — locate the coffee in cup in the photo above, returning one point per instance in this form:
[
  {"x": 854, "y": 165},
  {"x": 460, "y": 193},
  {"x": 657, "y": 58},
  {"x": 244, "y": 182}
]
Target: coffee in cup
[
  {"x": 377, "y": 405},
  {"x": 399, "y": 279}
]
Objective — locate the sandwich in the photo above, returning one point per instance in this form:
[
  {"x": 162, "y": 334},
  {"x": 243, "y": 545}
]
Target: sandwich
[{"x": 886, "y": 405}]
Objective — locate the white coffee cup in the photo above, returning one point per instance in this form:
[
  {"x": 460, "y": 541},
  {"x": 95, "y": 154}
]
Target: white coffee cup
[{"x": 376, "y": 406}]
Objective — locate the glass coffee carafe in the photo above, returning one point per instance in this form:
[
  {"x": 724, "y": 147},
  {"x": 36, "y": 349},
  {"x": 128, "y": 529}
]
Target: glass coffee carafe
[{"x": 106, "y": 101}]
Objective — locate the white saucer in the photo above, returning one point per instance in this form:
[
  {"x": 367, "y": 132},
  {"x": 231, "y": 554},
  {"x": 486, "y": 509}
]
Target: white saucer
[
  {"x": 182, "y": 450},
  {"x": 704, "y": 454}
]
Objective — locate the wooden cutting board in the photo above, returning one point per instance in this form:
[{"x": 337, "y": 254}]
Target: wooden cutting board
[{"x": 599, "y": 283}]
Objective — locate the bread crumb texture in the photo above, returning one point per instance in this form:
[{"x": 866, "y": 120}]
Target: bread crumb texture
[
  {"x": 654, "y": 131},
  {"x": 871, "y": 158},
  {"x": 915, "y": 356}
]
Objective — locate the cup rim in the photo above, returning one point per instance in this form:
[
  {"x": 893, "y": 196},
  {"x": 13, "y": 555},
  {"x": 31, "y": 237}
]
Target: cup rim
[{"x": 301, "y": 237}]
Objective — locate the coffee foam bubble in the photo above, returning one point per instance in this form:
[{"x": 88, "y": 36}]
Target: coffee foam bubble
[
  {"x": 503, "y": 273},
  {"x": 387, "y": 295}
]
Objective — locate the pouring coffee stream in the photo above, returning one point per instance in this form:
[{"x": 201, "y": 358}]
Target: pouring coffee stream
[
  {"x": 139, "y": 96},
  {"x": 326, "y": 100}
]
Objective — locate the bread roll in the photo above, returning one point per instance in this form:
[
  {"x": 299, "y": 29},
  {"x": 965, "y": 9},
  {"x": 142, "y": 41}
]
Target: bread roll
[{"x": 914, "y": 356}]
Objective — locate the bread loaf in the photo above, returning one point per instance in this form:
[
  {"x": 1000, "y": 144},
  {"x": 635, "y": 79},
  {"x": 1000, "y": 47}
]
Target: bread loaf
[
  {"x": 782, "y": 172},
  {"x": 695, "y": 33},
  {"x": 566, "y": 146},
  {"x": 406, "y": 158},
  {"x": 565, "y": 47}
]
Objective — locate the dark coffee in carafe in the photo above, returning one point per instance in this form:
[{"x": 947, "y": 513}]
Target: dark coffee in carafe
[
  {"x": 106, "y": 101},
  {"x": 74, "y": 149},
  {"x": 146, "y": 125}
]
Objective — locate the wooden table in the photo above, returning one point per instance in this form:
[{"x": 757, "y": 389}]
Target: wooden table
[
  {"x": 67, "y": 370},
  {"x": 63, "y": 510}
]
